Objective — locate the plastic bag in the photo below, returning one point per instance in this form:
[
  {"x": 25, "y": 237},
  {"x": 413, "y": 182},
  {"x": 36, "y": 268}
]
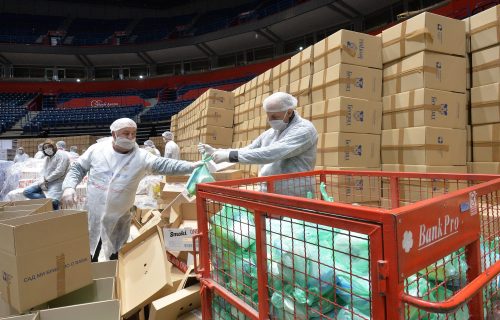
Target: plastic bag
[
  {"x": 233, "y": 228},
  {"x": 200, "y": 175}
]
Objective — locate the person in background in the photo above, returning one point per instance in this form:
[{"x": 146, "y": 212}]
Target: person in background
[
  {"x": 21, "y": 156},
  {"x": 288, "y": 147},
  {"x": 54, "y": 170},
  {"x": 73, "y": 151},
  {"x": 61, "y": 145},
  {"x": 150, "y": 146},
  {"x": 172, "y": 150},
  {"x": 115, "y": 166},
  {"x": 39, "y": 154}
]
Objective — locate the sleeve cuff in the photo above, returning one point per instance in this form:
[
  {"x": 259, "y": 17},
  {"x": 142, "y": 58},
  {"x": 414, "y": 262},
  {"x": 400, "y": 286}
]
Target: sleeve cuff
[{"x": 233, "y": 156}]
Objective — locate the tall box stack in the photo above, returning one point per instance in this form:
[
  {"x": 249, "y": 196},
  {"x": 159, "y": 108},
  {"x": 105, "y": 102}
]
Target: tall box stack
[
  {"x": 208, "y": 119},
  {"x": 424, "y": 104},
  {"x": 485, "y": 91},
  {"x": 346, "y": 110}
]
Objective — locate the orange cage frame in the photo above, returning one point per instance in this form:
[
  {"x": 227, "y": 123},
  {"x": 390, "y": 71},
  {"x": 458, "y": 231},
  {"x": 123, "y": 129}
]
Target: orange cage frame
[{"x": 456, "y": 222}]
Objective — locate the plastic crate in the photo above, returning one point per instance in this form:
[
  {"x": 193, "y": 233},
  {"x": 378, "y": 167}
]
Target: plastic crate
[{"x": 391, "y": 246}]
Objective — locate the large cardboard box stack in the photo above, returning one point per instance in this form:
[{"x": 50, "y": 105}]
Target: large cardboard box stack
[
  {"x": 346, "y": 109},
  {"x": 485, "y": 91},
  {"x": 424, "y": 105},
  {"x": 208, "y": 119}
]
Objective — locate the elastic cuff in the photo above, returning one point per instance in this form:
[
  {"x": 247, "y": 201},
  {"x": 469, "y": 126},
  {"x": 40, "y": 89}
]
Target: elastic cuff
[{"x": 233, "y": 156}]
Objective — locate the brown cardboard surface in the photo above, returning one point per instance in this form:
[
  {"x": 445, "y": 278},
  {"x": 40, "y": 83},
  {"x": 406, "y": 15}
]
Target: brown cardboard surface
[
  {"x": 100, "y": 290},
  {"x": 339, "y": 149},
  {"x": 281, "y": 76},
  {"x": 424, "y": 146},
  {"x": 485, "y": 167},
  {"x": 216, "y": 135},
  {"x": 345, "y": 46},
  {"x": 468, "y": 130},
  {"x": 32, "y": 316},
  {"x": 214, "y": 98},
  {"x": 486, "y": 143},
  {"x": 347, "y": 115},
  {"x": 25, "y": 202},
  {"x": 231, "y": 174},
  {"x": 192, "y": 315},
  {"x": 16, "y": 211},
  {"x": 485, "y": 104},
  {"x": 105, "y": 269},
  {"x": 219, "y": 117},
  {"x": 354, "y": 189},
  {"x": 485, "y": 28},
  {"x": 424, "y": 107},
  {"x": 143, "y": 273},
  {"x": 102, "y": 310},
  {"x": 348, "y": 81},
  {"x": 426, "y": 31},
  {"x": 174, "y": 213},
  {"x": 301, "y": 64},
  {"x": 173, "y": 305},
  {"x": 43, "y": 256},
  {"x": 486, "y": 66},
  {"x": 301, "y": 89},
  {"x": 425, "y": 70},
  {"x": 170, "y": 191}
]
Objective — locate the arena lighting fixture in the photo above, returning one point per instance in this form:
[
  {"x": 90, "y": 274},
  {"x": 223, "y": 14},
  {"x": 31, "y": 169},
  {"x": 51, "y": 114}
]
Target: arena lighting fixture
[
  {"x": 301, "y": 48},
  {"x": 141, "y": 76},
  {"x": 78, "y": 80}
]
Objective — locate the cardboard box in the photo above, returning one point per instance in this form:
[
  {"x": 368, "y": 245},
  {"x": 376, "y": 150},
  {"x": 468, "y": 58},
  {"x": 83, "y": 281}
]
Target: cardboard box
[
  {"x": 485, "y": 167},
  {"x": 105, "y": 269},
  {"x": 213, "y": 98},
  {"x": 178, "y": 210},
  {"x": 426, "y": 31},
  {"x": 171, "y": 191},
  {"x": 301, "y": 64},
  {"x": 425, "y": 107},
  {"x": 102, "y": 310},
  {"x": 425, "y": 70},
  {"x": 32, "y": 316},
  {"x": 10, "y": 212},
  {"x": 174, "y": 305},
  {"x": 227, "y": 175},
  {"x": 143, "y": 271},
  {"x": 412, "y": 190},
  {"x": 339, "y": 149},
  {"x": 301, "y": 89},
  {"x": 219, "y": 117},
  {"x": 484, "y": 28},
  {"x": 354, "y": 188},
  {"x": 192, "y": 315},
  {"x": 485, "y": 104},
  {"x": 347, "y": 115},
  {"x": 468, "y": 129},
  {"x": 40, "y": 202},
  {"x": 486, "y": 66},
  {"x": 486, "y": 143},
  {"x": 43, "y": 256},
  {"x": 281, "y": 76},
  {"x": 100, "y": 290},
  {"x": 345, "y": 46},
  {"x": 216, "y": 135},
  {"x": 467, "y": 34},
  {"x": 424, "y": 146},
  {"x": 348, "y": 81}
]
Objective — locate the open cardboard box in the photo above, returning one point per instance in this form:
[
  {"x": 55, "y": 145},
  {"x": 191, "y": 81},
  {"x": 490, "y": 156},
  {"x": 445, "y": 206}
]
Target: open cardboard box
[
  {"x": 102, "y": 310},
  {"x": 143, "y": 272},
  {"x": 105, "y": 269},
  {"x": 174, "y": 305},
  {"x": 20, "y": 210},
  {"x": 24, "y": 202},
  {"x": 100, "y": 290},
  {"x": 43, "y": 256}
]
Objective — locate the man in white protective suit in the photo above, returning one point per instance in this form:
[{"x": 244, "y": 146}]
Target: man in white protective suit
[
  {"x": 288, "y": 147},
  {"x": 115, "y": 167},
  {"x": 172, "y": 150}
]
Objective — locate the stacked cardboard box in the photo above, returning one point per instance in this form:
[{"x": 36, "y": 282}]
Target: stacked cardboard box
[
  {"x": 424, "y": 104},
  {"x": 82, "y": 142},
  {"x": 485, "y": 91},
  {"x": 208, "y": 119},
  {"x": 346, "y": 110}
]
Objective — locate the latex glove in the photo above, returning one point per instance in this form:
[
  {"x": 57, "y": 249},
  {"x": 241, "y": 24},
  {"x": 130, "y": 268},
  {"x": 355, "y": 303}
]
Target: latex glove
[
  {"x": 68, "y": 198},
  {"x": 221, "y": 156},
  {"x": 205, "y": 149}
]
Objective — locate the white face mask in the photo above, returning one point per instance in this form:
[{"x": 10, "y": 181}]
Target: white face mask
[
  {"x": 278, "y": 125},
  {"x": 125, "y": 143}
]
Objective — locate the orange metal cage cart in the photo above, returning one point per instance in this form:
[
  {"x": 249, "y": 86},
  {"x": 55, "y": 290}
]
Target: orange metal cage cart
[{"x": 390, "y": 246}]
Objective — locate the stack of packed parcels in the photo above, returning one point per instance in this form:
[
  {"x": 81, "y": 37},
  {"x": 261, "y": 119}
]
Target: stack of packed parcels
[
  {"x": 424, "y": 104},
  {"x": 485, "y": 91},
  {"x": 208, "y": 119},
  {"x": 346, "y": 109}
]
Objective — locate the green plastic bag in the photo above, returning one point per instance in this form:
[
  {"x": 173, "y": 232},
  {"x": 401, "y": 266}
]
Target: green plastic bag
[{"x": 199, "y": 175}]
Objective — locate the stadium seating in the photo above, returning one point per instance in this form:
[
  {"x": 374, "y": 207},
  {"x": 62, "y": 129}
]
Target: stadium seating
[
  {"x": 88, "y": 32},
  {"x": 158, "y": 28},
  {"x": 182, "y": 90},
  {"x": 164, "y": 110},
  {"x": 12, "y": 108},
  {"x": 25, "y": 28}
]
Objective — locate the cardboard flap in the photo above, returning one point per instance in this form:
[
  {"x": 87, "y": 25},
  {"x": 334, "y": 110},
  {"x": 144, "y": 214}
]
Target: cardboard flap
[
  {"x": 143, "y": 271},
  {"x": 104, "y": 310},
  {"x": 104, "y": 269},
  {"x": 173, "y": 305},
  {"x": 100, "y": 290}
]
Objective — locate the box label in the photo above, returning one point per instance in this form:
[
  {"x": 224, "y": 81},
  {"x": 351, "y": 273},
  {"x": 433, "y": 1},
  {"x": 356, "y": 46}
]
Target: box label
[{"x": 179, "y": 239}]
